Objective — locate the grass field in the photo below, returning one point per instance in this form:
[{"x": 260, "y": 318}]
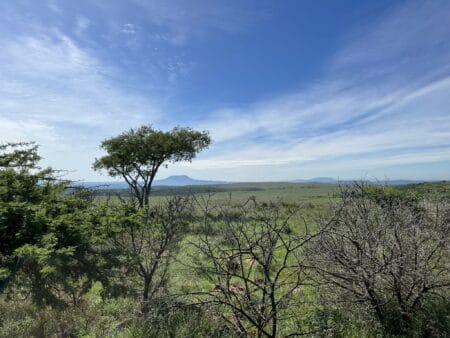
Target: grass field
[
  {"x": 262, "y": 191},
  {"x": 313, "y": 194}
]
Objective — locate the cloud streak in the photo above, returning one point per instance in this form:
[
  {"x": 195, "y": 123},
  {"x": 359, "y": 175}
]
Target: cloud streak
[
  {"x": 62, "y": 96},
  {"x": 44, "y": 73},
  {"x": 390, "y": 112}
]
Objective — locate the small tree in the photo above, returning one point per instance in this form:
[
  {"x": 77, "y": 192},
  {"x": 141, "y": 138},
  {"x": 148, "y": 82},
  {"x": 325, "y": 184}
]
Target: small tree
[
  {"x": 388, "y": 252},
  {"x": 254, "y": 265},
  {"x": 46, "y": 234},
  {"x": 21, "y": 201},
  {"x": 136, "y": 155},
  {"x": 147, "y": 239}
]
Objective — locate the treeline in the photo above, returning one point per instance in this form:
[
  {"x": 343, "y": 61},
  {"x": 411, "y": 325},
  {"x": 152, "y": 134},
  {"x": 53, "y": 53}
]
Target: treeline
[
  {"x": 165, "y": 191},
  {"x": 72, "y": 265}
]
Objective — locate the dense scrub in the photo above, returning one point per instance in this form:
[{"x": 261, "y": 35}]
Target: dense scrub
[{"x": 375, "y": 261}]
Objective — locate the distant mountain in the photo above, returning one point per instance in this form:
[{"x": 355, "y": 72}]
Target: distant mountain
[
  {"x": 173, "y": 181},
  {"x": 182, "y": 180}
]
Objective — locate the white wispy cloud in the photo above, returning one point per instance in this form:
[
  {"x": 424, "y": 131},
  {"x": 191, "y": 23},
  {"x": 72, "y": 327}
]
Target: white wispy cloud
[
  {"x": 389, "y": 112},
  {"x": 61, "y": 88},
  {"x": 48, "y": 77},
  {"x": 340, "y": 125},
  {"x": 411, "y": 36},
  {"x": 182, "y": 20},
  {"x": 62, "y": 96},
  {"x": 26, "y": 130}
]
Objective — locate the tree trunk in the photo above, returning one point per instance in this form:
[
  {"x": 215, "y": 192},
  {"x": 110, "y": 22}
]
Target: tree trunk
[
  {"x": 145, "y": 293},
  {"x": 406, "y": 325}
]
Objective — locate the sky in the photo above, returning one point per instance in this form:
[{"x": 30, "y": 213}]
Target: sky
[{"x": 287, "y": 89}]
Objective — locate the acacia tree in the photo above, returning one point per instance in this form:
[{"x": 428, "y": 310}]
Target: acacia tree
[{"x": 137, "y": 154}]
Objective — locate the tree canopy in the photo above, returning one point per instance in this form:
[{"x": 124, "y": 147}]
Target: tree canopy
[
  {"x": 137, "y": 154},
  {"x": 45, "y": 232},
  {"x": 21, "y": 201}
]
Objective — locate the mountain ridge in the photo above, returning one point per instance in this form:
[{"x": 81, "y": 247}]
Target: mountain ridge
[
  {"x": 171, "y": 181},
  {"x": 185, "y": 180}
]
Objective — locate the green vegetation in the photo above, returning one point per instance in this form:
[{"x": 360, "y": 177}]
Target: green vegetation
[{"x": 252, "y": 260}]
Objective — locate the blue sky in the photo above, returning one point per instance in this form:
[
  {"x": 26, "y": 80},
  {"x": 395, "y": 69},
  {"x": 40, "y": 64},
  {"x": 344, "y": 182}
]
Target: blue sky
[{"x": 288, "y": 89}]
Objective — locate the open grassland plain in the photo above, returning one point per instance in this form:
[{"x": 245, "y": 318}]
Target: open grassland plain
[
  {"x": 316, "y": 193},
  {"x": 308, "y": 195}
]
